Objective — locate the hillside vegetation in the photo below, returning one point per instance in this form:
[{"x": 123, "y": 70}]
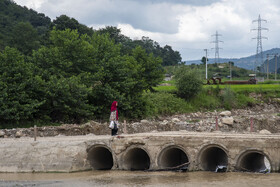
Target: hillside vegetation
[{"x": 61, "y": 71}]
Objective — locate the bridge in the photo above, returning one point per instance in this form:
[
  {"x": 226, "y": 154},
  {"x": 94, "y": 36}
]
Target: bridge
[{"x": 190, "y": 151}]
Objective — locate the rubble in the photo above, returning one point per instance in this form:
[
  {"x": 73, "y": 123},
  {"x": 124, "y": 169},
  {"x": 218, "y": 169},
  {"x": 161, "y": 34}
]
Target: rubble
[{"x": 264, "y": 118}]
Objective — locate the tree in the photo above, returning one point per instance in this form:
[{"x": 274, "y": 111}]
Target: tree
[
  {"x": 187, "y": 83},
  {"x": 170, "y": 57},
  {"x": 20, "y": 90},
  {"x": 231, "y": 63},
  {"x": 25, "y": 38},
  {"x": 67, "y": 100},
  {"x": 67, "y": 66},
  {"x": 64, "y": 22},
  {"x": 11, "y": 15},
  {"x": 203, "y": 60},
  {"x": 115, "y": 34},
  {"x": 151, "y": 72},
  {"x": 97, "y": 68}
]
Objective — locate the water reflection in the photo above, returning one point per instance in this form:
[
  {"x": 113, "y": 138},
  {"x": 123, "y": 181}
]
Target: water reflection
[{"x": 139, "y": 178}]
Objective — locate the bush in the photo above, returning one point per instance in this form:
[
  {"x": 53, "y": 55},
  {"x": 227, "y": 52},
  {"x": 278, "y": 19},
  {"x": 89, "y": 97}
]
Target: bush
[
  {"x": 165, "y": 104},
  {"x": 206, "y": 101},
  {"x": 188, "y": 84},
  {"x": 243, "y": 100},
  {"x": 228, "y": 98}
]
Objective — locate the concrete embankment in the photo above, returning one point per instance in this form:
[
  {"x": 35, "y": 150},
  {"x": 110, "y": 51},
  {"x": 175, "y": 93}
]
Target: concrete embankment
[{"x": 146, "y": 151}]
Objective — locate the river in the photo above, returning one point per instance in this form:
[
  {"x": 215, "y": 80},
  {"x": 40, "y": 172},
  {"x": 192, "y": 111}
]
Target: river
[{"x": 139, "y": 178}]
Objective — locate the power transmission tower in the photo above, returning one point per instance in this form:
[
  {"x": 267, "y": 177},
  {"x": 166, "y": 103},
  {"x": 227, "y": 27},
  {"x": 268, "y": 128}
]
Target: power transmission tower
[
  {"x": 217, "y": 57},
  {"x": 259, "y": 52}
]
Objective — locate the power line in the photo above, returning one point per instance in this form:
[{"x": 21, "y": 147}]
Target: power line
[
  {"x": 217, "y": 56},
  {"x": 259, "y": 52}
]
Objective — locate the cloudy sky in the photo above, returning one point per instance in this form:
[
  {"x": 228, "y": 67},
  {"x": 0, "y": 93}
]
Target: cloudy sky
[{"x": 186, "y": 25}]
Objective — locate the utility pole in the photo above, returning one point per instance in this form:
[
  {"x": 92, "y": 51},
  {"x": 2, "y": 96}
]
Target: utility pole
[
  {"x": 206, "y": 64},
  {"x": 267, "y": 64},
  {"x": 276, "y": 67},
  {"x": 259, "y": 54},
  {"x": 217, "y": 56},
  {"x": 230, "y": 73}
]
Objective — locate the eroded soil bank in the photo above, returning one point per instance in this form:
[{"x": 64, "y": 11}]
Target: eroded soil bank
[{"x": 262, "y": 118}]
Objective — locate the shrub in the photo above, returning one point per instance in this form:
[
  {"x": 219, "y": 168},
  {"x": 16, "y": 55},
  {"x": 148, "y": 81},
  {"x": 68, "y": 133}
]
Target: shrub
[
  {"x": 243, "y": 100},
  {"x": 206, "y": 101},
  {"x": 188, "y": 84},
  {"x": 165, "y": 104},
  {"x": 228, "y": 98}
]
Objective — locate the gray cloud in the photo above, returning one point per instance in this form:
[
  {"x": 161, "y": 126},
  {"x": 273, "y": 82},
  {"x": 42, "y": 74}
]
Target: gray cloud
[
  {"x": 186, "y": 25},
  {"x": 188, "y": 2},
  {"x": 153, "y": 16}
]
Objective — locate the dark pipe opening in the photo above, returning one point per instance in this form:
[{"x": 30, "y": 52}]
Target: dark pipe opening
[
  {"x": 254, "y": 162},
  {"x": 214, "y": 159},
  {"x": 172, "y": 157},
  {"x": 100, "y": 158},
  {"x": 137, "y": 159}
]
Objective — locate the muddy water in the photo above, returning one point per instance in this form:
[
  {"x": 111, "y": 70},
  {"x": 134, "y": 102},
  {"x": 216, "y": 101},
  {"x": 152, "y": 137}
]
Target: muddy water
[{"x": 127, "y": 178}]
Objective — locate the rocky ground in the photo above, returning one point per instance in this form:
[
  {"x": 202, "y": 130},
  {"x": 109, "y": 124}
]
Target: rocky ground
[{"x": 262, "y": 118}]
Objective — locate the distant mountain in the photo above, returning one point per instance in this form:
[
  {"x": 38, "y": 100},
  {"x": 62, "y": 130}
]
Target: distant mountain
[{"x": 245, "y": 62}]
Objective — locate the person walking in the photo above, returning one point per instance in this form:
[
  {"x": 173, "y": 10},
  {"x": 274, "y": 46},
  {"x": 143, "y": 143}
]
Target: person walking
[{"x": 114, "y": 117}]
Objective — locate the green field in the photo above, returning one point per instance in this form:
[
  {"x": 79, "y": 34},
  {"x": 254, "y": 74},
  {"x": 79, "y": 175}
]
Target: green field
[
  {"x": 258, "y": 88},
  {"x": 250, "y": 87}
]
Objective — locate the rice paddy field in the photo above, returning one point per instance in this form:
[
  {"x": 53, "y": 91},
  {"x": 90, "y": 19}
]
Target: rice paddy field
[{"x": 248, "y": 88}]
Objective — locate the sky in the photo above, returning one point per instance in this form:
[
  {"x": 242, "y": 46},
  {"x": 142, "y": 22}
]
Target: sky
[{"x": 186, "y": 25}]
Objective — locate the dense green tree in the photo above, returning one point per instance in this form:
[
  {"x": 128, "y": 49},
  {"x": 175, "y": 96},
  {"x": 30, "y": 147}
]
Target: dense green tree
[
  {"x": 64, "y": 22},
  {"x": 98, "y": 63},
  {"x": 170, "y": 57},
  {"x": 114, "y": 34},
  {"x": 12, "y": 14},
  {"x": 151, "y": 72},
  {"x": 25, "y": 38},
  {"x": 188, "y": 83},
  {"x": 67, "y": 100},
  {"x": 20, "y": 90},
  {"x": 68, "y": 55}
]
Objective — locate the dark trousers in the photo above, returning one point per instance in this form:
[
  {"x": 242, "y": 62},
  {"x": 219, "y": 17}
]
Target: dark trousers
[{"x": 114, "y": 131}]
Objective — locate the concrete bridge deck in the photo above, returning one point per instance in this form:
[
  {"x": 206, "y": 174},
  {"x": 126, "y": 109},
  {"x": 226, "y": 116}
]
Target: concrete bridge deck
[{"x": 146, "y": 151}]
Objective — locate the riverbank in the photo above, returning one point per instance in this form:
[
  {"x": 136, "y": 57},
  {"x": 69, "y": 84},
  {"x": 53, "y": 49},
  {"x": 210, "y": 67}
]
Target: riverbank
[
  {"x": 262, "y": 118},
  {"x": 80, "y": 153}
]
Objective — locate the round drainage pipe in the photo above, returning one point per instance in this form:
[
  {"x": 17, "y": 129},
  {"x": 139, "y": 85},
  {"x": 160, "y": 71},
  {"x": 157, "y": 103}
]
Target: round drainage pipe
[
  {"x": 172, "y": 158},
  {"x": 254, "y": 162},
  {"x": 136, "y": 159},
  {"x": 100, "y": 158},
  {"x": 214, "y": 159}
]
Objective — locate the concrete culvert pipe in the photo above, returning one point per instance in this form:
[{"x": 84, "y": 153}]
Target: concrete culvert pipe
[
  {"x": 172, "y": 158},
  {"x": 100, "y": 158},
  {"x": 136, "y": 159},
  {"x": 214, "y": 159},
  {"x": 254, "y": 162}
]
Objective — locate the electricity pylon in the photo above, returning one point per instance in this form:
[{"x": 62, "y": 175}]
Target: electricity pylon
[
  {"x": 259, "y": 52},
  {"x": 217, "y": 56}
]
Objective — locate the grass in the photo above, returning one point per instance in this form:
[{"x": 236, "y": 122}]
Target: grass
[
  {"x": 270, "y": 82},
  {"x": 165, "y": 88},
  {"x": 212, "y": 97},
  {"x": 249, "y": 88}
]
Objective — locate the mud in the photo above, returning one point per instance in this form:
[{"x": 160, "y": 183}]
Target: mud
[{"x": 127, "y": 178}]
